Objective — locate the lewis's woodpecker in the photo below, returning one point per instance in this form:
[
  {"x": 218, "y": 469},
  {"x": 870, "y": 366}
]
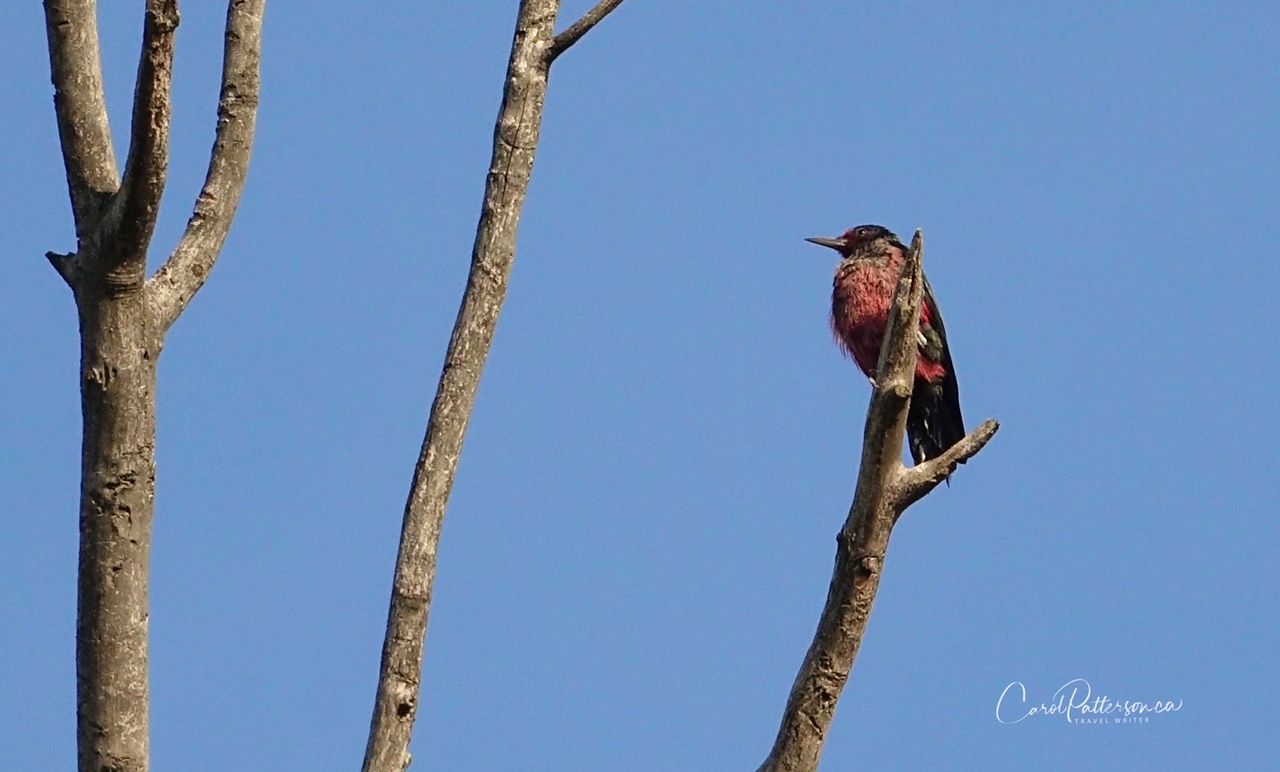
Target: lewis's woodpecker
[{"x": 861, "y": 295}]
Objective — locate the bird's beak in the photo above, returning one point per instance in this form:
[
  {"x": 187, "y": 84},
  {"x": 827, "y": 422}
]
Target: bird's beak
[{"x": 836, "y": 244}]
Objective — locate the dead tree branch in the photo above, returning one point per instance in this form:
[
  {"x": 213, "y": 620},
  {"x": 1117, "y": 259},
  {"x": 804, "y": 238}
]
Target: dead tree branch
[
  {"x": 81, "y": 108},
  {"x": 184, "y": 273},
  {"x": 515, "y": 141},
  {"x": 121, "y": 334},
  {"x": 575, "y": 31},
  {"x": 136, "y": 206},
  {"x": 885, "y": 489}
]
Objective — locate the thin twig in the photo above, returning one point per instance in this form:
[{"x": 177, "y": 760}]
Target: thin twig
[
  {"x": 575, "y": 31},
  {"x": 918, "y": 481}
]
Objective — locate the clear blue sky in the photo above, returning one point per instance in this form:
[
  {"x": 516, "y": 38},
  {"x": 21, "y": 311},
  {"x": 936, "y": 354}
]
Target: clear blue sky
[{"x": 643, "y": 526}]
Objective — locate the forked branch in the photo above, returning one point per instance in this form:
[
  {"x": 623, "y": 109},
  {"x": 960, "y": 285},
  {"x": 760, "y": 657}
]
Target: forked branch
[
  {"x": 885, "y": 489},
  {"x": 575, "y": 31},
  {"x": 122, "y": 323}
]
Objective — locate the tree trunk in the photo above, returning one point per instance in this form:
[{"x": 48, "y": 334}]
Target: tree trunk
[{"x": 117, "y": 500}]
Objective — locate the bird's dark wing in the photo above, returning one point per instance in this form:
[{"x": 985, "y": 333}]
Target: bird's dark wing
[{"x": 950, "y": 422}]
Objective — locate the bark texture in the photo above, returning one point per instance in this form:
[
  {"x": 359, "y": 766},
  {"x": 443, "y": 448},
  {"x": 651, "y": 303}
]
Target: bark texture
[
  {"x": 117, "y": 392},
  {"x": 884, "y": 490},
  {"x": 123, "y": 318},
  {"x": 515, "y": 141}
]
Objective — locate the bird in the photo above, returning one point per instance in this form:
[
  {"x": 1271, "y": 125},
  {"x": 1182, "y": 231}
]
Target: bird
[{"x": 861, "y": 295}]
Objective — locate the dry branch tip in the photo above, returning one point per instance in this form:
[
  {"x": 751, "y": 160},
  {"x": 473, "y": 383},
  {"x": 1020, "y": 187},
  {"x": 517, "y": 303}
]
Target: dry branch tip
[{"x": 562, "y": 42}]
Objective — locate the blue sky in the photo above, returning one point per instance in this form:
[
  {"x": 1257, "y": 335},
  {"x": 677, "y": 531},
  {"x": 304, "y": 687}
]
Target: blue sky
[{"x": 642, "y": 530}]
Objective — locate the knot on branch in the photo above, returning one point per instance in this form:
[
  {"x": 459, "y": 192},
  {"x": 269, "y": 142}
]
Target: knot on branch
[{"x": 67, "y": 266}]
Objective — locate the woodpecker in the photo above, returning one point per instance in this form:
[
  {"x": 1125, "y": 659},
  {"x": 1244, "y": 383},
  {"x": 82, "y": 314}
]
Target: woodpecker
[{"x": 862, "y": 292}]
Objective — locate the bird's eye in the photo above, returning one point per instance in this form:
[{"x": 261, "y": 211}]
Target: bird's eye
[{"x": 863, "y": 232}]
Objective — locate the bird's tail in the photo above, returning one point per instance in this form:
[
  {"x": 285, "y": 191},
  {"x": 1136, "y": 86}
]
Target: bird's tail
[{"x": 934, "y": 422}]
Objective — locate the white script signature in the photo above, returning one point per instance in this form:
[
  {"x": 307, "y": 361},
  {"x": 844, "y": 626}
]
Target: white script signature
[{"x": 1075, "y": 701}]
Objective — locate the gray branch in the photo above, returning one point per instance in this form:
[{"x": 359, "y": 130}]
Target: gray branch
[
  {"x": 184, "y": 273},
  {"x": 916, "y": 482},
  {"x": 885, "y": 489},
  {"x": 131, "y": 218},
  {"x": 574, "y": 33},
  {"x": 81, "y": 108},
  {"x": 515, "y": 140},
  {"x": 122, "y": 331}
]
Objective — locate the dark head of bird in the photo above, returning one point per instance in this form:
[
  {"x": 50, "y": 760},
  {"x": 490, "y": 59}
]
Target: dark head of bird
[{"x": 862, "y": 238}]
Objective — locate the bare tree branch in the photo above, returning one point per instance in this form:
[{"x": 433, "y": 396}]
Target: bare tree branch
[
  {"x": 121, "y": 336},
  {"x": 515, "y": 141},
  {"x": 184, "y": 273},
  {"x": 574, "y": 33},
  {"x": 885, "y": 489},
  {"x": 132, "y": 217},
  {"x": 916, "y": 482},
  {"x": 81, "y": 107}
]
